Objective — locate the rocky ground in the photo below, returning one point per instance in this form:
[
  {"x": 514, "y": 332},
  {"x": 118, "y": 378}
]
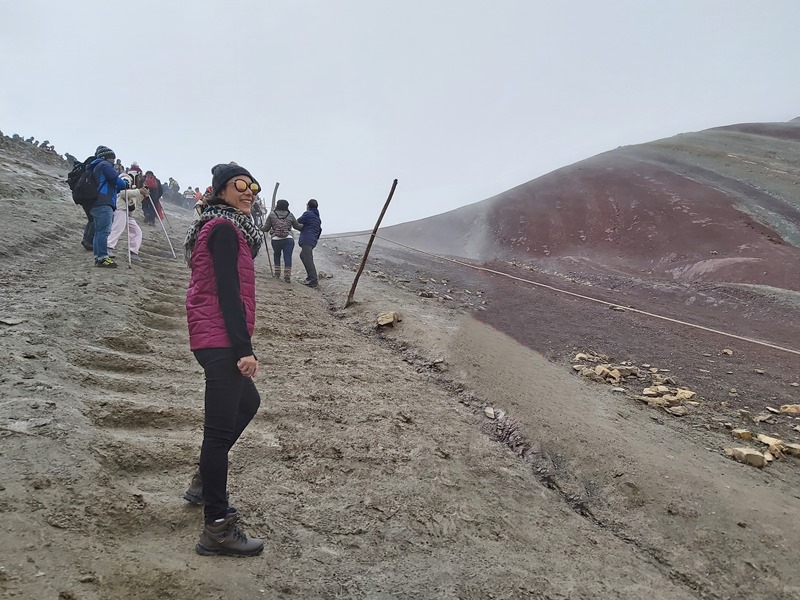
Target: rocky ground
[{"x": 456, "y": 454}]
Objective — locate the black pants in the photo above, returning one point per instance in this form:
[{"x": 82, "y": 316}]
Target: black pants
[
  {"x": 149, "y": 211},
  {"x": 307, "y": 257},
  {"x": 231, "y": 402},
  {"x": 88, "y": 229}
]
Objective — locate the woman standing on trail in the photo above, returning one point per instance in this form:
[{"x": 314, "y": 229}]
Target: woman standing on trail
[
  {"x": 309, "y": 236},
  {"x": 220, "y": 309},
  {"x": 279, "y": 225}
]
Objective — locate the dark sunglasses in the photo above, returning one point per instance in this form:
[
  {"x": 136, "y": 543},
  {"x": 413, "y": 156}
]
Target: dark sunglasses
[{"x": 241, "y": 186}]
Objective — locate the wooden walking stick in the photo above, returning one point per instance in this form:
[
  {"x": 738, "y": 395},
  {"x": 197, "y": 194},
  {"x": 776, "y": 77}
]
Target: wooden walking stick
[
  {"x": 369, "y": 245},
  {"x": 269, "y": 256},
  {"x": 275, "y": 194}
]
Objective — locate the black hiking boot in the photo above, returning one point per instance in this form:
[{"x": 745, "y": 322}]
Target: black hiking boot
[
  {"x": 226, "y": 539},
  {"x": 195, "y": 492}
]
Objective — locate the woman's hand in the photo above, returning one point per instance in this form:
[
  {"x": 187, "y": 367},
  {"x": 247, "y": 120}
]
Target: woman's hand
[{"x": 248, "y": 366}]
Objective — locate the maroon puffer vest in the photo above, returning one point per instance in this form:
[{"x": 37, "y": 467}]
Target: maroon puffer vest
[{"x": 203, "y": 313}]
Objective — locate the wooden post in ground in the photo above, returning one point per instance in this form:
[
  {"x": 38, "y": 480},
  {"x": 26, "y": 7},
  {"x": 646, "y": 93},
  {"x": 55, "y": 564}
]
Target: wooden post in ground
[{"x": 369, "y": 245}]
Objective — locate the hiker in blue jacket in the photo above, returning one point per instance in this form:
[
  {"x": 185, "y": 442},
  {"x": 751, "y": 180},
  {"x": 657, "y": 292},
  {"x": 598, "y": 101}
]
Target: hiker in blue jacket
[
  {"x": 309, "y": 235},
  {"x": 102, "y": 211}
]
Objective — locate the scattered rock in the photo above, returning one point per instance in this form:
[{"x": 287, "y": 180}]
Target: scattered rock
[
  {"x": 742, "y": 434},
  {"x": 11, "y": 321},
  {"x": 727, "y": 351},
  {"x": 790, "y": 409},
  {"x": 617, "y": 308},
  {"x": 683, "y": 394},
  {"x": 747, "y": 456},
  {"x": 489, "y": 412},
  {"x": 792, "y": 449},
  {"x": 426, "y": 294},
  {"x": 618, "y": 390},
  {"x": 774, "y": 411},
  {"x": 587, "y": 356},
  {"x": 776, "y": 446},
  {"x": 760, "y": 371},
  {"x": 658, "y": 390},
  {"x": 389, "y": 318},
  {"x": 678, "y": 411},
  {"x": 761, "y": 418},
  {"x": 769, "y": 440}
]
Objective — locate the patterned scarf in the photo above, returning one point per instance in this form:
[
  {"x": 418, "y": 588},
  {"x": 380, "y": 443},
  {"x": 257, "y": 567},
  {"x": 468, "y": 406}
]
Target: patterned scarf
[{"x": 222, "y": 211}]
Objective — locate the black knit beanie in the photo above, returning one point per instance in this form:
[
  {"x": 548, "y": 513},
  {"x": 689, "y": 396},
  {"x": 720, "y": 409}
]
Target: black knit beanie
[
  {"x": 104, "y": 152},
  {"x": 282, "y": 205},
  {"x": 222, "y": 174}
]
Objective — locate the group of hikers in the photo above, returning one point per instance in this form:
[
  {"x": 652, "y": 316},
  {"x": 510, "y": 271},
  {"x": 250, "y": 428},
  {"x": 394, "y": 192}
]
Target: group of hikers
[
  {"x": 120, "y": 190},
  {"x": 116, "y": 193}
]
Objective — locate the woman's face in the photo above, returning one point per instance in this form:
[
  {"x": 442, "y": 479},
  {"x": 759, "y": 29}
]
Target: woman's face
[{"x": 242, "y": 201}]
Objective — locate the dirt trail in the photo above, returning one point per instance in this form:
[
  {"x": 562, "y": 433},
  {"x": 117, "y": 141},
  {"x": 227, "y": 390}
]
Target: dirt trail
[{"x": 370, "y": 472}]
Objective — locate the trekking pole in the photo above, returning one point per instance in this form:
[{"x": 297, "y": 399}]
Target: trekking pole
[
  {"x": 166, "y": 219},
  {"x": 166, "y": 236},
  {"x": 163, "y": 212},
  {"x": 128, "y": 227}
]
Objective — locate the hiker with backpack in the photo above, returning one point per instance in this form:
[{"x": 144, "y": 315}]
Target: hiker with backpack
[
  {"x": 94, "y": 184},
  {"x": 83, "y": 197},
  {"x": 279, "y": 225},
  {"x": 102, "y": 210},
  {"x": 309, "y": 236},
  {"x": 220, "y": 248}
]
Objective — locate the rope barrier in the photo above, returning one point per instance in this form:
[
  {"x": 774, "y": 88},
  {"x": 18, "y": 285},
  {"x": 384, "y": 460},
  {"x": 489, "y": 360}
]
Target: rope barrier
[{"x": 577, "y": 295}]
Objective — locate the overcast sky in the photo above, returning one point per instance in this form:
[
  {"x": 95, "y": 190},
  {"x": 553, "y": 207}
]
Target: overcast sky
[{"x": 458, "y": 99}]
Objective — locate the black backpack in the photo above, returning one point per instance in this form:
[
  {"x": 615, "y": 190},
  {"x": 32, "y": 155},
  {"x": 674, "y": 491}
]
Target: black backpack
[{"x": 83, "y": 183}]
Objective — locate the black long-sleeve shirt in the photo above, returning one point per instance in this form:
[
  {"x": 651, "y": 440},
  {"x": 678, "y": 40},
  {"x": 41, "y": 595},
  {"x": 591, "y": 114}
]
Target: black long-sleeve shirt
[{"x": 223, "y": 244}]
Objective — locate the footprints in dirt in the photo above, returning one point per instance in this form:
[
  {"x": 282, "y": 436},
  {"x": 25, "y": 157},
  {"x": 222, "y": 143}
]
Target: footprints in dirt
[
  {"x": 139, "y": 389},
  {"x": 115, "y": 412}
]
